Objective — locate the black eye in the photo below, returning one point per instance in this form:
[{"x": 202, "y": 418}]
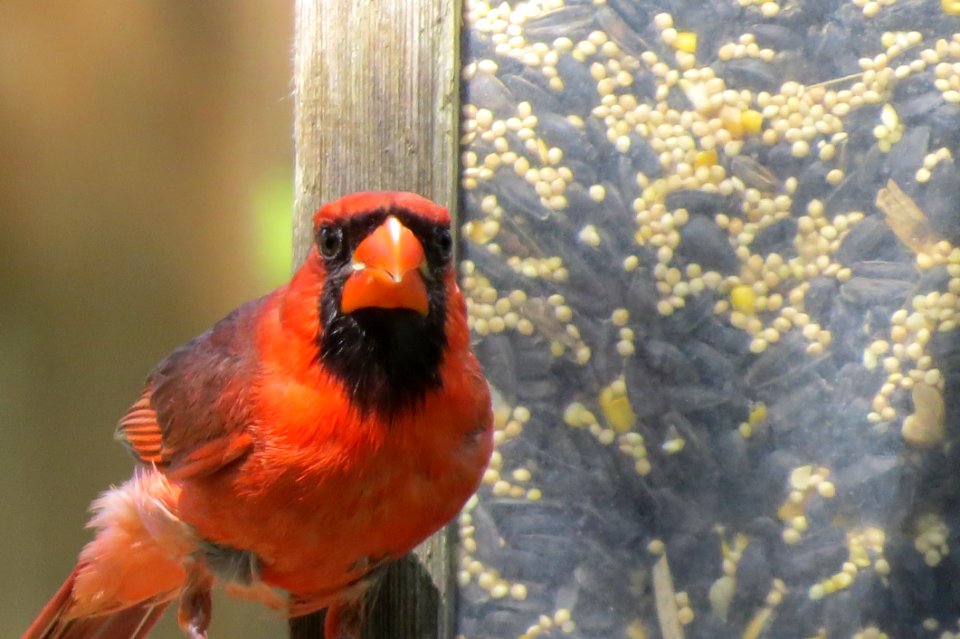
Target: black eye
[
  {"x": 444, "y": 242},
  {"x": 329, "y": 241}
]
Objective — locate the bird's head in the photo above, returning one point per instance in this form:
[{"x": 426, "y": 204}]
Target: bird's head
[{"x": 388, "y": 287}]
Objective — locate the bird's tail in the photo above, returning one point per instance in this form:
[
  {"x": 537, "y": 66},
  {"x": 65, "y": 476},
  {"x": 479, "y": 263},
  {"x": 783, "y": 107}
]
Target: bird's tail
[
  {"x": 56, "y": 620},
  {"x": 129, "y": 572}
]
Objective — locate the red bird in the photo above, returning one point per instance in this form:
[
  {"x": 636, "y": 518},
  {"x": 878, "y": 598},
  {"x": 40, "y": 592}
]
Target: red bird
[{"x": 306, "y": 440}]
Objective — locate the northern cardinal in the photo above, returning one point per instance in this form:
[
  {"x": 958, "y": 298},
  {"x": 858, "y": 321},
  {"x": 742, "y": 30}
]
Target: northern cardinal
[{"x": 299, "y": 445}]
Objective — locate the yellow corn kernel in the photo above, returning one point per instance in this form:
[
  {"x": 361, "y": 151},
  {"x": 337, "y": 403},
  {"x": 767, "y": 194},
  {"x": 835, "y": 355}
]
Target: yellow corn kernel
[
  {"x": 709, "y": 158},
  {"x": 617, "y": 409},
  {"x": 751, "y": 121},
  {"x": 686, "y": 42},
  {"x": 743, "y": 298}
]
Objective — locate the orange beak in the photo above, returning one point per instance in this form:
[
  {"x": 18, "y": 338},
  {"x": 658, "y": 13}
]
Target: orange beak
[{"x": 386, "y": 265}]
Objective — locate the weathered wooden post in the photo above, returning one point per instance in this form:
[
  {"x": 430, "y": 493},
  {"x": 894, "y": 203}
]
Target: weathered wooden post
[{"x": 377, "y": 103}]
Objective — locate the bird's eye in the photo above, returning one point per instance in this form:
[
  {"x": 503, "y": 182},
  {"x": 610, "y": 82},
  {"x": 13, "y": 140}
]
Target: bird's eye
[
  {"x": 329, "y": 241},
  {"x": 444, "y": 242}
]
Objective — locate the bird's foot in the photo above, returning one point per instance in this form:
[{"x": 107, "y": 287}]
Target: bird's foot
[
  {"x": 195, "y": 633},
  {"x": 195, "y": 605},
  {"x": 344, "y": 621}
]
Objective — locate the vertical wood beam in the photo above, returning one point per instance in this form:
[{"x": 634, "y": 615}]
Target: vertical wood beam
[
  {"x": 377, "y": 100},
  {"x": 377, "y": 108}
]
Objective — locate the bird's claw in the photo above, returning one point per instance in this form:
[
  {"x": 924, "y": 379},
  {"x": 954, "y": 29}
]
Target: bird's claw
[{"x": 195, "y": 605}]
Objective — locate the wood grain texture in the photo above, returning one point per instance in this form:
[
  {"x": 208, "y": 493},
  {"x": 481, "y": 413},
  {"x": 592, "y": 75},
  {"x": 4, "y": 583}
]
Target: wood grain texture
[
  {"x": 377, "y": 100},
  {"x": 377, "y": 108}
]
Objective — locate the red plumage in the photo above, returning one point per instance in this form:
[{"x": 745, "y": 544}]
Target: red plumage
[{"x": 294, "y": 449}]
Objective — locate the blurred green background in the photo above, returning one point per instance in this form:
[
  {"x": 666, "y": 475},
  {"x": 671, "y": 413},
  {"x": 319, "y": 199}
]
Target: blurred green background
[{"x": 145, "y": 190}]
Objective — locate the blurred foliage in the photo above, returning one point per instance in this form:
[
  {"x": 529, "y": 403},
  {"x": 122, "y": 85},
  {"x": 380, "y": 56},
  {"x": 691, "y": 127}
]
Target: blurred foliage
[{"x": 273, "y": 224}]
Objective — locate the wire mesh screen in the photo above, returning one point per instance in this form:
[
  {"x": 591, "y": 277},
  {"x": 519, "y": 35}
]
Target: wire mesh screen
[{"x": 712, "y": 261}]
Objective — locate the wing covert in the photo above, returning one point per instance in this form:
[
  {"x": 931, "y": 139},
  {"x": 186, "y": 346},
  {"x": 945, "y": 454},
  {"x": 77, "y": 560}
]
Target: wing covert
[{"x": 193, "y": 416}]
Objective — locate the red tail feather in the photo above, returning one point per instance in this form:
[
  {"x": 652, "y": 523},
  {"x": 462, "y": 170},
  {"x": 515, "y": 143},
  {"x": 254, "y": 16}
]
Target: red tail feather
[{"x": 128, "y": 623}]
